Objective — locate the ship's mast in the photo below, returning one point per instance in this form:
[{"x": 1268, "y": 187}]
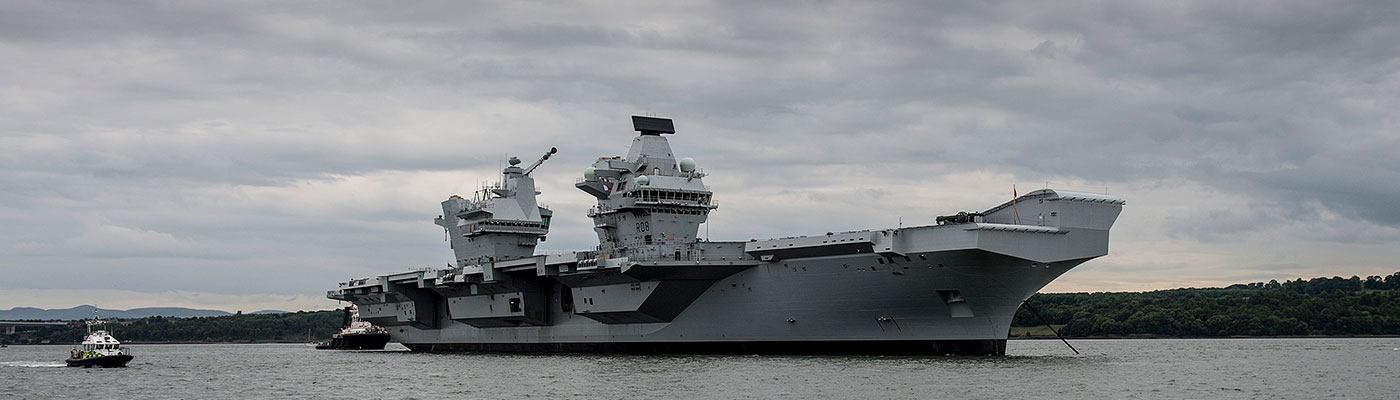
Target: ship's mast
[{"x": 531, "y": 168}]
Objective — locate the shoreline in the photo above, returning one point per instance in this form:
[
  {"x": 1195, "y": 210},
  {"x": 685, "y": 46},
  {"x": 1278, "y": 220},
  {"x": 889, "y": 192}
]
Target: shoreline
[
  {"x": 1039, "y": 337},
  {"x": 1009, "y": 338}
]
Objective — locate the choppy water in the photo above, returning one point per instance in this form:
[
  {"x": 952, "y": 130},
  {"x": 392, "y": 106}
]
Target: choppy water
[{"x": 1156, "y": 368}]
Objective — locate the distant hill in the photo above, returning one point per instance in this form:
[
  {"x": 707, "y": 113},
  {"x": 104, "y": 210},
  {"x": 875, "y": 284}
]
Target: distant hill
[{"x": 85, "y": 312}]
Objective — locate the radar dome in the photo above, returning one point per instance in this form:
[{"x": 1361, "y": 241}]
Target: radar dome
[
  {"x": 643, "y": 180},
  {"x": 590, "y": 174},
  {"x": 687, "y": 164}
]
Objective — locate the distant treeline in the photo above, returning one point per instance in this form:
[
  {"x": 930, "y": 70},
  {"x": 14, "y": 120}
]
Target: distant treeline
[
  {"x": 287, "y": 327},
  {"x": 1320, "y": 306}
]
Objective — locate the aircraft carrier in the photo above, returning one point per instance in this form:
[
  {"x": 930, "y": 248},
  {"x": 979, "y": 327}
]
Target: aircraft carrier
[{"x": 653, "y": 286}]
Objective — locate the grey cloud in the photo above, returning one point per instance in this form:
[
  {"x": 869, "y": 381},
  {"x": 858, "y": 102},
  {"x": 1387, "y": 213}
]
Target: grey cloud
[
  {"x": 1203, "y": 116},
  {"x": 1355, "y": 184},
  {"x": 169, "y": 118}
]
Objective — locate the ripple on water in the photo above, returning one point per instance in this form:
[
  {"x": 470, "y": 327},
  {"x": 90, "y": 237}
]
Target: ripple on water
[
  {"x": 33, "y": 364},
  {"x": 1164, "y": 368}
]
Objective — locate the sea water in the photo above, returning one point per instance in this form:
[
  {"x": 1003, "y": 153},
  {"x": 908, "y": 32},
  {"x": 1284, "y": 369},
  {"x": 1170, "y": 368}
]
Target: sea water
[{"x": 1127, "y": 369}]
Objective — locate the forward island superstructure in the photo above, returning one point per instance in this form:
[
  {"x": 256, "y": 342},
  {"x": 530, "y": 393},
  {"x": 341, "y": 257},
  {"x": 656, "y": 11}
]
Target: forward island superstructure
[{"x": 653, "y": 286}]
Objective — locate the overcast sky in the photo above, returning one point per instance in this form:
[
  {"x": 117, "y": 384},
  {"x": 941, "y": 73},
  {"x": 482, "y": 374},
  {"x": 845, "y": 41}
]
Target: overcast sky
[{"x": 245, "y": 155}]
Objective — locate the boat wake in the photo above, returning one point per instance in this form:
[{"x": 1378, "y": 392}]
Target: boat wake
[{"x": 32, "y": 364}]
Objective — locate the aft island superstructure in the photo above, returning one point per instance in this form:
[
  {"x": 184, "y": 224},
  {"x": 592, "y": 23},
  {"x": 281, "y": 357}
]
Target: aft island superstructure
[{"x": 652, "y": 286}]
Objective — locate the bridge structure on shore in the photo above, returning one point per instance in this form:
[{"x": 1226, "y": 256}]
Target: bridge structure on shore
[{"x": 9, "y": 327}]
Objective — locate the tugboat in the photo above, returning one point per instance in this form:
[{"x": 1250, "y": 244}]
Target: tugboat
[
  {"x": 99, "y": 349},
  {"x": 356, "y": 335}
]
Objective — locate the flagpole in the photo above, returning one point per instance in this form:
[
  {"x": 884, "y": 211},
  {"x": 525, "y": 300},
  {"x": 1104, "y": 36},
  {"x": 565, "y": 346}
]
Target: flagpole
[{"x": 1015, "y": 217}]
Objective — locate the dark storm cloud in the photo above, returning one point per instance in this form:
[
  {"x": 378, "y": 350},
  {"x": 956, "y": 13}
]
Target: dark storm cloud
[
  {"x": 284, "y": 138},
  {"x": 1353, "y": 183}
]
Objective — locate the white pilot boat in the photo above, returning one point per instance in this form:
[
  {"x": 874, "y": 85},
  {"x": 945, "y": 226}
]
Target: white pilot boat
[{"x": 99, "y": 349}]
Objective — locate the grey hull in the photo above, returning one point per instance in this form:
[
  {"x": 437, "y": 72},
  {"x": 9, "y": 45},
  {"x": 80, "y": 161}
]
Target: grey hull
[
  {"x": 844, "y": 347},
  {"x": 841, "y": 304}
]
